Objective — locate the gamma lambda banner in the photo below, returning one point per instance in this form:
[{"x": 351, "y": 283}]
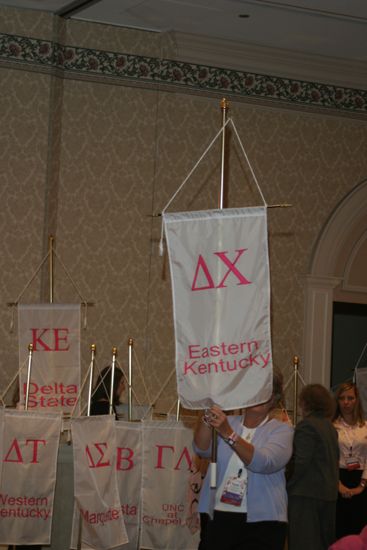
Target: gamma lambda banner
[
  {"x": 54, "y": 332},
  {"x": 167, "y": 472},
  {"x": 29, "y": 455},
  {"x": 221, "y": 302}
]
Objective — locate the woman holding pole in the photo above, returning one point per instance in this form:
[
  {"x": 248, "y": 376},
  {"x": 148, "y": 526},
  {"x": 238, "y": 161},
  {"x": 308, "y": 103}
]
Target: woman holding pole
[{"x": 249, "y": 505}]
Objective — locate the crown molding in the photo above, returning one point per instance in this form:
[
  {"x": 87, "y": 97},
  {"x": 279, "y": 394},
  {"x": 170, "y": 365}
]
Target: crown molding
[{"x": 270, "y": 61}]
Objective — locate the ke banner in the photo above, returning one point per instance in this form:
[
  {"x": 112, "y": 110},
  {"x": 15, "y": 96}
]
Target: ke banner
[
  {"x": 54, "y": 332},
  {"x": 221, "y": 303},
  {"x": 167, "y": 469},
  {"x": 95, "y": 485},
  {"x": 29, "y": 457}
]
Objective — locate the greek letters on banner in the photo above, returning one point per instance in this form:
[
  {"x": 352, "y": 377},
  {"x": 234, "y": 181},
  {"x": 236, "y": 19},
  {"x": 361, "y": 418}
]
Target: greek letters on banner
[
  {"x": 54, "y": 331},
  {"x": 129, "y": 456},
  {"x": 29, "y": 457},
  {"x": 221, "y": 300},
  {"x": 95, "y": 484},
  {"x": 167, "y": 467}
]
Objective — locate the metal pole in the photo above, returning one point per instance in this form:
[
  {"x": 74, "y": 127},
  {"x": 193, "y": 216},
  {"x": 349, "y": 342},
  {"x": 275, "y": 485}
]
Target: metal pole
[
  {"x": 29, "y": 370},
  {"x": 113, "y": 368},
  {"x": 178, "y": 410},
  {"x": 91, "y": 375},
  {"x": 295, "y": 388},
  {"x": 224, "y": 105},
  {"x": 51, "y": 267},
  {"x": 130, "y": 381}
]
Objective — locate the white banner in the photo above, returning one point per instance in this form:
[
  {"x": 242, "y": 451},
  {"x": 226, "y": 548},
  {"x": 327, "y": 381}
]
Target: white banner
[
  {"x": 54, "y": 332},
  {"x": 129, "y": 458},
  {"x": 167, "y": 469},
  {"x": 221, "y": 300},
  {"x": 29, "y": 457},
  {"x": 95, "y": 484}
]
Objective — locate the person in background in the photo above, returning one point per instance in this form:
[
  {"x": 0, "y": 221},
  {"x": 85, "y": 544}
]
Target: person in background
[
  {"x": 313, "y": 481},
  {"x": 100, "y": 403},
  {"x": 250, "y": 508},
  {"x": 351, "y": 510}
]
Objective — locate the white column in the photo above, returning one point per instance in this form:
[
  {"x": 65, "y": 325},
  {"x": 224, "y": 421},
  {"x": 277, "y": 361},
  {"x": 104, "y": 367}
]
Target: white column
[{"x": 318, "y": 328}]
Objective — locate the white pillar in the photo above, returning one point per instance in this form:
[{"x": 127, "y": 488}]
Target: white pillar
[{"x": 318, "y": 328}]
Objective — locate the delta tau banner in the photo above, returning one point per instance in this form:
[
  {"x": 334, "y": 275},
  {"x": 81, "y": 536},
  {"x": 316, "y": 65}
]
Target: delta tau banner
[
  {"x": 29, "y": 457},
  {"x": 95, "y": 484},
  {"x": 221, "y": 303},
  {"x": 167, "y": 470},
  {"x": 54, "y": 331}
]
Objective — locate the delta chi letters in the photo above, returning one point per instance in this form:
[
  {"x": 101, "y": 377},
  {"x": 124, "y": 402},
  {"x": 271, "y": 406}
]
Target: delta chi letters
[{"x": 221, "y": 300}]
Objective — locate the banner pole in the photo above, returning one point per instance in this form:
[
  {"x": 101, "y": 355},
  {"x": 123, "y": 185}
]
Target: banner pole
[
  {"x": 130, "y": 380},
  {"x": 91, "y": 375},
  {"x": 51, "y": 267},
  {"x": 29, "y": 369},
  {"x": 178, "y": 410},
  {"x": 295, "y": 388},
  {"x": 113, "y": 368},
  {"x": 224, "y": 105}
]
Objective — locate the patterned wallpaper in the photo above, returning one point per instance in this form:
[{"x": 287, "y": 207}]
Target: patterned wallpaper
[{"x": 89, "y": 155}]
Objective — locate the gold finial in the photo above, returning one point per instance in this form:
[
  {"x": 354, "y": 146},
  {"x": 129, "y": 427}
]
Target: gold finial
[
  {"x": 224, "y": 104},
  {"x": 30, "y": 347},
  {"x": 130, "y": 342},
  {"x": 93, "y": 347},
  {"x": 114, "y": 351},
  {"x": 295, "y": 360}
]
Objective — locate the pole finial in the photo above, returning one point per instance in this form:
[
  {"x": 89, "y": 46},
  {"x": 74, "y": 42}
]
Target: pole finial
[
  {"x": 130, "y": 342},
  {"x": 224, "y": 104},
  {"x": 296, "y": 360},
  {"x": 114, "y": 351},
  {"x": 93, "y": 347},
  {"x": 30, "y": 347}
]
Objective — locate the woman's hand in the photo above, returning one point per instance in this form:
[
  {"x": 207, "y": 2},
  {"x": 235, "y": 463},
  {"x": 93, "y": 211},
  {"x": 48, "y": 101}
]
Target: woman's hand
[
  {"x": 346, "y": 492},
  {"x": 219, "y": 421}
]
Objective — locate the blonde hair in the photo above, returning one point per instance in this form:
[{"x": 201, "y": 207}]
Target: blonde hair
[{"x": 358, "y": 415}]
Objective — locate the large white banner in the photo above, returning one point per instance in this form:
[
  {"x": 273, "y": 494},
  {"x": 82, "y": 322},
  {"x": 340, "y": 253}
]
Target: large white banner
[
  {"x": 29, "y": 457},
  {"x": 167, "y": 469},
  {"x": 95, "y": 484},
  {"x": 54, "y": 332},
  {"x": 221, "y": 300}
]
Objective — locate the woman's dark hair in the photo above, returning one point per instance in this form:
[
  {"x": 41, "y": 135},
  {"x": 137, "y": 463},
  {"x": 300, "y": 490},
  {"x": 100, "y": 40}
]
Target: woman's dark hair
[
  {"x": 103, "y": 385},
  {"x": 358, "y": 414},
  {"x": 316, "y": 400},
  {"x": 278, "y": 393}
]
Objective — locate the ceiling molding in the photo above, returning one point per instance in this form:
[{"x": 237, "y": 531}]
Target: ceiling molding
[{"x": 270, "y": 61}]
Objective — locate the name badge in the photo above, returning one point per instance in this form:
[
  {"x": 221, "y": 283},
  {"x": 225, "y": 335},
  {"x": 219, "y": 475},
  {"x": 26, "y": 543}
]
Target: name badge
[
  {"x": 352, "y": 463},
  {"x": 234, "y": 490}
]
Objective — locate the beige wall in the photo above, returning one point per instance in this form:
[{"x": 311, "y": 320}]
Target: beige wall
[{"x": 91, "y": 159}]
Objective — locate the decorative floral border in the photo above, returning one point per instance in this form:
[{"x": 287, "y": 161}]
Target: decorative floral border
[{"x": 164, "y": 71}]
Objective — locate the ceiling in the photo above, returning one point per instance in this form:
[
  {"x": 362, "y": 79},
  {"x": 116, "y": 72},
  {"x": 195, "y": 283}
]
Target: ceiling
[{"x": 331, "y": 29}]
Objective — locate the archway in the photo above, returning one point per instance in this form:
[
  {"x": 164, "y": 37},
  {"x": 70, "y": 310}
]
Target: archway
[{"x": 337, "y": 271}]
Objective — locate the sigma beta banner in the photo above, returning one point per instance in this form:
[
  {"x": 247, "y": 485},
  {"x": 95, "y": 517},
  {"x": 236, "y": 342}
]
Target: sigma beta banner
[
  {"x": 29, "y": 456},
  {"x": 168, "y": 506},
  {"x": 54, "y": 332},
  {"x": 221, "y": 302},
  {"x": 95, "y": 485}
]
